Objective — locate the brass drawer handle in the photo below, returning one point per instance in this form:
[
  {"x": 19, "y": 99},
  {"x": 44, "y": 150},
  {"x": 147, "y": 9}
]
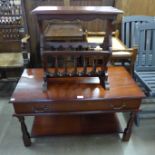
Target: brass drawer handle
[
  {"x": 40, "y": 109},
  {"x": 119, "y": 107}
]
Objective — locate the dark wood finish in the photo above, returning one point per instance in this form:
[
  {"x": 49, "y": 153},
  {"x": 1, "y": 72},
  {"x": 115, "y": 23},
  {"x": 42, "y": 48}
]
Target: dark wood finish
[
  {"x": 91, "y": 3},
  {"x": 96, "y": 25},
  {"x": 118, "y": 77},
  {"x": 85, "y": 13},
  {"x": 26, "y": 136},
  {"x": 69, "y": 97},
  {"x": 75, "y": 124},
  {"x": 89, "y": 106},
  {"x": 97, "y": 11},
  {"x": 74, "y": 71},
  {"x": 128, "y": 129},
  {"x": 72, "y": 13}
]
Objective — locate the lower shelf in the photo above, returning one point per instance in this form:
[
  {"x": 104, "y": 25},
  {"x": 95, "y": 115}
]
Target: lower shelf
[{"x": 75, "y": 124}]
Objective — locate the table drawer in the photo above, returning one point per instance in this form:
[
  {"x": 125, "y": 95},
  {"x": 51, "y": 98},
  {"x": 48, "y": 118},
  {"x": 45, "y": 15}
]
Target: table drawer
[{"x": 111, "y": 105}]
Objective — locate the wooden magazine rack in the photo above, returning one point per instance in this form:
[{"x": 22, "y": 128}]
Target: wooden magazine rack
[{"x": 100, "y": 57}]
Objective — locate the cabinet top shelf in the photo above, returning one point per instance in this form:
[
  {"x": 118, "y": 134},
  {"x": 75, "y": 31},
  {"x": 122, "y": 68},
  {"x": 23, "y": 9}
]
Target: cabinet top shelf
[{"x": 80, "y": 10}]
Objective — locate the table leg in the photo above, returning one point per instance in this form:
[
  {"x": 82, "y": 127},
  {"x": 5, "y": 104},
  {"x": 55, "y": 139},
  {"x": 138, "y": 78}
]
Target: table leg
[
  {"x": 26, "y": 135},
  {"x": 128, "y": 129}
]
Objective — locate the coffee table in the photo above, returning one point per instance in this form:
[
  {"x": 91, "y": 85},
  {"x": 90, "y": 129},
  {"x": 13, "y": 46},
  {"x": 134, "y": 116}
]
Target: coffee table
[{"x": 76, "y": 105}]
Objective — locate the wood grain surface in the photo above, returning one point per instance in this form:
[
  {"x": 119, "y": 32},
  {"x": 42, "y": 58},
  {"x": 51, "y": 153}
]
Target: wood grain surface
[{"x": 29, "y": 87}]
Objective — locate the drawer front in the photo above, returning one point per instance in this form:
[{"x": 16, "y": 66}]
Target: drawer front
[{"x": 111, "y": 105}]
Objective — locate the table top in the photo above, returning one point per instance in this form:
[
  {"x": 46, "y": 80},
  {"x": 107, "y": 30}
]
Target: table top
[
  {"x": 76, "y": 10},
  {"x": 29, "y": 87}
]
